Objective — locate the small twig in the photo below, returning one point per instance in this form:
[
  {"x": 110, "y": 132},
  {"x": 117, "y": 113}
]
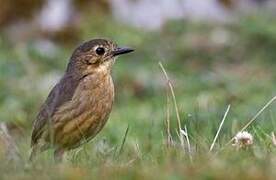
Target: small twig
[
  {"x": 255, "y": 117},
  {"x": 219, "y": 129},
  {"x": 124, "y": 140}
]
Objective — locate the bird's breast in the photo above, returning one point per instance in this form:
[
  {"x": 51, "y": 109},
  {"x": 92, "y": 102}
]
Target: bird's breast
[{"x": 86, "y": 114}]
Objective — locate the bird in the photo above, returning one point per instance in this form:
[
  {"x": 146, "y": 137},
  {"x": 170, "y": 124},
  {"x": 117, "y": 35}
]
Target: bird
[{"x": 79, "y": 105}]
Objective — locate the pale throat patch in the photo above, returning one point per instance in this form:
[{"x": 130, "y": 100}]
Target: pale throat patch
[{"x": 106, "y": 66}]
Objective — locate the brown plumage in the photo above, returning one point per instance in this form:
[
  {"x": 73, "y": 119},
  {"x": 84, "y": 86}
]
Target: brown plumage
[{"x": 78, "y": 106}]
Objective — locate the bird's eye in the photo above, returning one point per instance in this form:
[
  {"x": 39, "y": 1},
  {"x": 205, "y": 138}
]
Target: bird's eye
[{"x": 100, "y": 51}]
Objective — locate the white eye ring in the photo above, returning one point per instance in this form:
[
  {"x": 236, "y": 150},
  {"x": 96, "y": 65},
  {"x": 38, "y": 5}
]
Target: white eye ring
[{"x": 100, "y": 50}]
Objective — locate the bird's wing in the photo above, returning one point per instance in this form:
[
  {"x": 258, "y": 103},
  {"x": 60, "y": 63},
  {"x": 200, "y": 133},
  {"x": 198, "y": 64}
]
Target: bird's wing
[{"x": 60, "y": 94}]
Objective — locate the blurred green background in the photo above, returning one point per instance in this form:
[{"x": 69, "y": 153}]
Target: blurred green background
[{"x": 215, "y": 53}]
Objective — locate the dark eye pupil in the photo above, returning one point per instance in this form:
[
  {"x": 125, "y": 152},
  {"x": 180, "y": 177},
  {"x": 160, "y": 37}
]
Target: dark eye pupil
[{"x": 100, "y": 51}]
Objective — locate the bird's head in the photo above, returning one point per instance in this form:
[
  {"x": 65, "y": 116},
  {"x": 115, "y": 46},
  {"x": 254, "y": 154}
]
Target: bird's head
[{"x": 95, "y": 55}]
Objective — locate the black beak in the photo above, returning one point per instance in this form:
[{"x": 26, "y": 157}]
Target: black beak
[{"x": 120, "y": 51}]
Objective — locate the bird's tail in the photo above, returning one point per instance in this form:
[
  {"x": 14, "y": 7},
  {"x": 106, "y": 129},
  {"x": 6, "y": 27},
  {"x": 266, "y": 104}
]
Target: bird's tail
[
  {"x": 33, "y": 153},
  {"x": 36, "y": 149}
]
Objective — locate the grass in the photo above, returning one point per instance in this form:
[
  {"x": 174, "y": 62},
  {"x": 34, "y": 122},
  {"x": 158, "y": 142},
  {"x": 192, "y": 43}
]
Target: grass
[{"x": 206, "y": 76}]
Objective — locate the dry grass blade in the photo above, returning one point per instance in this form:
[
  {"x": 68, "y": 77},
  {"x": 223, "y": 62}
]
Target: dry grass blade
[
  {"x": 255, "y": 117},
  {"x": 273, "y": 137},
  {"x": 11, "y": 148},
  {"x": 167, "y": 122},
  {"x": 188, "y": 143},
  {"x": 219, "y": 129},
  {"x": 175, "y": 104}
]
